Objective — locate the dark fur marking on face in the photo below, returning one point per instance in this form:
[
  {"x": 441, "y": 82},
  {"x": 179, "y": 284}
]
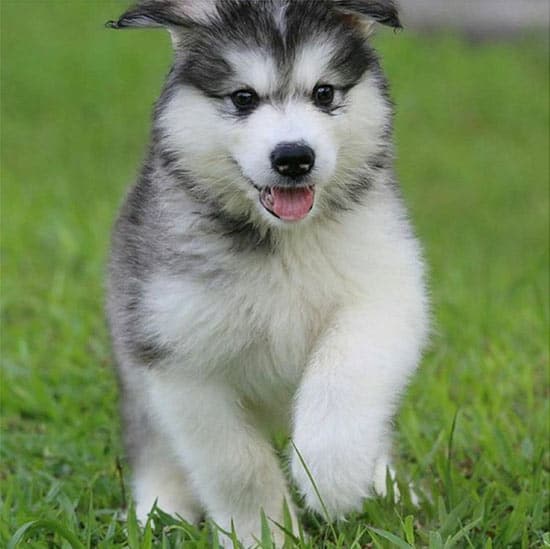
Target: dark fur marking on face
[
  {"x": 205, "y": 69},
  {"x": 171, "y": 164},
  {"x": 244, "y": 235},
  {"x": 202, "y": 63},
  {"x": 353, "y": 194},
  {"x": 352, "y": 54},
  {"x": 352, "y": 60}
]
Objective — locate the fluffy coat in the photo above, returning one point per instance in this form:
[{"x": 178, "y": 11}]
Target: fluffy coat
[{"x": 229, "y": 323}]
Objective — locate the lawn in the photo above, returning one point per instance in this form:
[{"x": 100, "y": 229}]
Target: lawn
[{"x": 473, "y": 432}]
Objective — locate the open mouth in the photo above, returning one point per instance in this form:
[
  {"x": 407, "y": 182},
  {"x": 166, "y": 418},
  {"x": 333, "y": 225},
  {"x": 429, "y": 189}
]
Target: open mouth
[{"x": 288, "y": 204}]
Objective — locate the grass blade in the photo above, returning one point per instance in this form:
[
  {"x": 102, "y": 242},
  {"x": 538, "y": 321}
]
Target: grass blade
[
  {"x": 396, "y": 541},
  {"x": 50, "y": 525},
  {"x": 311, "y": 479},
  {"x": 448, "y": 473}
]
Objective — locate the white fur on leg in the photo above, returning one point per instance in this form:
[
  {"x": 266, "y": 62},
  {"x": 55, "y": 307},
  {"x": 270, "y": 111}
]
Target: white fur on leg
[
  {"x": 158, "y": 476},
  {"x": 367, "y": 355},
  {"x": 231, "y": 465}
]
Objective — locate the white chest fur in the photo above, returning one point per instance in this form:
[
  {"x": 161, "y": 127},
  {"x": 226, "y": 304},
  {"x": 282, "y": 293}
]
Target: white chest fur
[{"x": 258, "y": 322}]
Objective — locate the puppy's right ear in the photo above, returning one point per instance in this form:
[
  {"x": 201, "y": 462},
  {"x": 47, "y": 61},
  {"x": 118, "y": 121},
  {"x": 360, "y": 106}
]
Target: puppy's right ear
[{"x": 170, "y": 14}]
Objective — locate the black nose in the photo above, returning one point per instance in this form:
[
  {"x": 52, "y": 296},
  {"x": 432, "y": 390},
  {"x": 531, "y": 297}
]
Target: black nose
[{"x": 292, "y": 159}]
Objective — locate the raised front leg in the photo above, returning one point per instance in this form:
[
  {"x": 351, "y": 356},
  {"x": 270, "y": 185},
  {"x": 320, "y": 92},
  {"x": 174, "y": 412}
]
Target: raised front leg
[
  {"x": 232, "y": 467},
  {"x": 344, "y": 406}
]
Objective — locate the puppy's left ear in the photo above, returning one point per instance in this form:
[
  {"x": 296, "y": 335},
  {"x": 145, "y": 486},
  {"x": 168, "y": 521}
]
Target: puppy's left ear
[{"x": 384, "y": 12}]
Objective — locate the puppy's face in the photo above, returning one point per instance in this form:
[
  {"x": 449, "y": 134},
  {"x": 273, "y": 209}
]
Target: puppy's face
[{"x": 273, "y": 108}]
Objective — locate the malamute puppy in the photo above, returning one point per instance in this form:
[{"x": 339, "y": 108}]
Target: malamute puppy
[{"x": 263, "y": 272}]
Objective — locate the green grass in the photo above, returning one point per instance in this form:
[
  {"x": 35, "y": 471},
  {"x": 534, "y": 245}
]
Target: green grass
[{"x": 472, "y": 132}]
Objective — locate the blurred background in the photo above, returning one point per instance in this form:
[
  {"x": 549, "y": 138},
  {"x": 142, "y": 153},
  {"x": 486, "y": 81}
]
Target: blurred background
[
  {"x": 479, "y": 19},
  {"x": 470, "y": 83}
]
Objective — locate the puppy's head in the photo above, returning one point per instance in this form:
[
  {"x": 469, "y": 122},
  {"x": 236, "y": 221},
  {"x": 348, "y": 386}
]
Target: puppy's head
[{"x": 274, "y": 110}]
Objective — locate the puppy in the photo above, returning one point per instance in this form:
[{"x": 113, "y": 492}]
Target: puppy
[{"x": 263, "y": 274}]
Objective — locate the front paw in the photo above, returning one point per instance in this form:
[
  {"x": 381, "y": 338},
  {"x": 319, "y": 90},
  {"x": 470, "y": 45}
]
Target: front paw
[{"x": 334, "y": 479}]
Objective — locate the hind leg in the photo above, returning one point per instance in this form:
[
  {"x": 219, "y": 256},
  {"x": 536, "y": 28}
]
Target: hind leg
[
  {"x": 159, "y": 476},
  {"x": 230, "y": 461}
]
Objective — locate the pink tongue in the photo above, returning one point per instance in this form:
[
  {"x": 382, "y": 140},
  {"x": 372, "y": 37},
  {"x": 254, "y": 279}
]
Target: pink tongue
[{"x": 292, "y": 204}]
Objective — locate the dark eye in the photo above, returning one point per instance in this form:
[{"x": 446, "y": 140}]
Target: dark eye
[
  {"x": 245, "y": 100},
  {"x": 323, "y": 95}
]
